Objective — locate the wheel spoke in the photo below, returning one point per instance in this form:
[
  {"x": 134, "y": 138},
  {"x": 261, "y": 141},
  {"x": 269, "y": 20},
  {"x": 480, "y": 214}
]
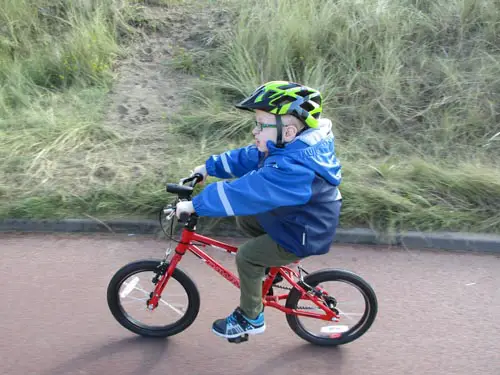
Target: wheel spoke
[
  {"x": 161, "y": 300},
  {"x": 134, "y": 299},
  {"x": 348, "y": 315},
  {"x": 345, "y": 303},
  {"x": 172, "y": 307}
]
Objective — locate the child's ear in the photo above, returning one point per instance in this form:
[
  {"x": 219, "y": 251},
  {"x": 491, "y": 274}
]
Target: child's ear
[{"x": 290, "y": 132}]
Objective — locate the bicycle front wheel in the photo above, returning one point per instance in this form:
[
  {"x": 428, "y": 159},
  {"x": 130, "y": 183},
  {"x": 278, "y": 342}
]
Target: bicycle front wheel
[
  {"x": 131, "y": 287},
  {"x": 352, "y": 298}
]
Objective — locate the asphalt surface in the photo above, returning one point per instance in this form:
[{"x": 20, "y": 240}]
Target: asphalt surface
[{"x": 439, "y": 313}]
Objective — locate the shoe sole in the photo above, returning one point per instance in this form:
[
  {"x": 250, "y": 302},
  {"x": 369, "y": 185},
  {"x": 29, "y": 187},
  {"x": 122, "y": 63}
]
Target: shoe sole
[{"x": 255, "y": 331}]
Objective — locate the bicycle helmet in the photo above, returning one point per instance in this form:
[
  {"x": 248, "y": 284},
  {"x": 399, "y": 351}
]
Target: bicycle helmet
[{"x": 286, "y": 98}]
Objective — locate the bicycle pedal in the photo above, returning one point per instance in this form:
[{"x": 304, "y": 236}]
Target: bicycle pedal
[{"x": 239, "y": 339}]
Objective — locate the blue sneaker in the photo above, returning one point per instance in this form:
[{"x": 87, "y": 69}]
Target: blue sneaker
[{"x": 237, "y": 324}]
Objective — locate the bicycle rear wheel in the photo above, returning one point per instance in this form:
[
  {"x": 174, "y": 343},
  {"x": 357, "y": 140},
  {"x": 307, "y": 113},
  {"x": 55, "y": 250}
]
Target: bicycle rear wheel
[
  {"x": 131, "y": 287},
  {"x": 353, "y": 322}
]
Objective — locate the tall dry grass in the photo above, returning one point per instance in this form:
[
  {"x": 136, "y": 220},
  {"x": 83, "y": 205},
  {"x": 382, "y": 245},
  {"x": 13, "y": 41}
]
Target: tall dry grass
[{"x": 412, "y": 88}]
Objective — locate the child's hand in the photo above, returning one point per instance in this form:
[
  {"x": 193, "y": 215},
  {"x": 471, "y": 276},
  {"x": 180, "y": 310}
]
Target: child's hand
[
  {"x": 184, "y": 206},
  {"x": 201, "y": 169}
]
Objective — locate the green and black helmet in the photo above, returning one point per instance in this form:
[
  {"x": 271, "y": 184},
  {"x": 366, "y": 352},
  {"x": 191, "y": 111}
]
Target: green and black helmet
[{"x": 286, "y": 98}]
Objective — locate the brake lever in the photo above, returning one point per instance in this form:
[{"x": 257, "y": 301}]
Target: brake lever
[
  {"x": 196, "y": 176},
  {"x": 169, "y": 212}
]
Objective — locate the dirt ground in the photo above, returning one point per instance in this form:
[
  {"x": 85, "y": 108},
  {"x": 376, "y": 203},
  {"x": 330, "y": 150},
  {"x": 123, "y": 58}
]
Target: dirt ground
[{"x": 154, "y": 79}]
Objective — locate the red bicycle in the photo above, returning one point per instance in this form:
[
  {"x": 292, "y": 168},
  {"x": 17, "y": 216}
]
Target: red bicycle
[{"x": 305, "y": 298}]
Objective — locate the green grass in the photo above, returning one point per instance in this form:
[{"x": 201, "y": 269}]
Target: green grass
[{"x": 412, "y": 88}]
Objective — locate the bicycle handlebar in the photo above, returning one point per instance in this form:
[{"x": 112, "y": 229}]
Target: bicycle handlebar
[{"x": 177, "y": 188}]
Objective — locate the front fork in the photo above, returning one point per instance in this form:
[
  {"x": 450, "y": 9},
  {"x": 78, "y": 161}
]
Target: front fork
[{"x": 166, "y": 269}]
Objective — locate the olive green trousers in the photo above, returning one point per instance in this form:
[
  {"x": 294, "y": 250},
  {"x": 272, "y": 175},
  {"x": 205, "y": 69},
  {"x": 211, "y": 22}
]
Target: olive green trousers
[{"x": 252, "y": 259}]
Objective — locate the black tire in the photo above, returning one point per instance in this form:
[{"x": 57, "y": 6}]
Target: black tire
[
  {"x": 315, "y": 278},
  {"x": 151, "y": 265}
]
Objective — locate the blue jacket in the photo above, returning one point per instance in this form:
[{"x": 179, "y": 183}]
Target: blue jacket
[{"x": 292, "y": 192}]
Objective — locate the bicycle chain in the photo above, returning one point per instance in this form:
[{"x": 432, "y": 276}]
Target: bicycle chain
[{"x": 281, "y": 287}]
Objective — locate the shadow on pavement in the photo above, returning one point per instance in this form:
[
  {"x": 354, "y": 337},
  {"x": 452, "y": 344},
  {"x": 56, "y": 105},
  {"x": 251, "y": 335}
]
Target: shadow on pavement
[
  {"x": 152, "y": 350},
  {"x": 330, "y": 356}
]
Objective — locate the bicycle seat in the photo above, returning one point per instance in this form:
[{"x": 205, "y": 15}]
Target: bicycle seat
[{"x": 181, "y": 190}]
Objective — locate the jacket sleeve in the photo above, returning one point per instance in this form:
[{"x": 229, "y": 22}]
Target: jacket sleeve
[
  {"x": 256, "y": 192},
  {"x": 234, "y": 163}
]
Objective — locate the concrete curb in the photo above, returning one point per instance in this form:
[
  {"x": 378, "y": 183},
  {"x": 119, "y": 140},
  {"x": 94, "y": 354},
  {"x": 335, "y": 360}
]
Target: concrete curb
[{"x": 487, "y": 243}]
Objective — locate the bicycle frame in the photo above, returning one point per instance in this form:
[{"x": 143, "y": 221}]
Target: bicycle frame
[{"x": 189, "y": 236}]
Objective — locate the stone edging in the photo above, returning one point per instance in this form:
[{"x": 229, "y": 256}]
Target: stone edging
[{"x": 416, "y": 240}]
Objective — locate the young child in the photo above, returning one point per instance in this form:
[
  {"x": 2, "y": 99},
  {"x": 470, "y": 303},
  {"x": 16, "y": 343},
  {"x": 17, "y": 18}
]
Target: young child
[{"x": 284, "y": 193}]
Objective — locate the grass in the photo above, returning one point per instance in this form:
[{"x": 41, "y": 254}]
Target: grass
[
  {"x": 412, "y": 88},
  {"x": 56, "y": 61}
]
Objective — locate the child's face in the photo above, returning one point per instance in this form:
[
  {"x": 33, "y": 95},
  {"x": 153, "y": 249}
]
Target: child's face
[{"x": 270, "y": 133}]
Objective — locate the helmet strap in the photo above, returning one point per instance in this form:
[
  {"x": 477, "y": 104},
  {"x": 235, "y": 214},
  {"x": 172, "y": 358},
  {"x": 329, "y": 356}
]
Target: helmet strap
[{"x": 279, "y": 126}]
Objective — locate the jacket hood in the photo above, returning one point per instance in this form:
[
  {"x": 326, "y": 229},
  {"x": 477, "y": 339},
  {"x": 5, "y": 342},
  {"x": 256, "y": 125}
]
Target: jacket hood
[{"x": 314, "y": 148}]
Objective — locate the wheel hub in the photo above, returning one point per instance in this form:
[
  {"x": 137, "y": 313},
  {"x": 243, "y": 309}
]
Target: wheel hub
[{"x": 152, "y": 303}]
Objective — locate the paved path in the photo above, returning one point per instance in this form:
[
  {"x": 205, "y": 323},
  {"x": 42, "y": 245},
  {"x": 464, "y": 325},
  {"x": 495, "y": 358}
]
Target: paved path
[{"x": 439, "y": 314}]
